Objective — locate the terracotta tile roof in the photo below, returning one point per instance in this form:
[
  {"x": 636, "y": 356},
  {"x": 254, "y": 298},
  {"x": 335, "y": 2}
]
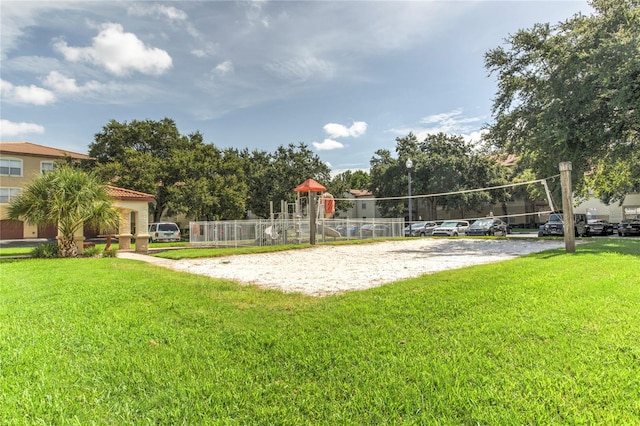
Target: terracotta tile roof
[
  {"x": 128, "y": 194},
  {"x": 360, "y": 193},
  {"x": 32, "y": 149}
]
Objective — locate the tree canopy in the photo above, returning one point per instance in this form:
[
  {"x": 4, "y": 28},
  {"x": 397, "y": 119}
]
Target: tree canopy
[
  {"x": 441, "y": 163},
  {"x": 184, "y": 174},
  {"x": 187, "y": 175},
  {"x": 273, "y": 176},
  {"x": 69, "y": 198},
  {"x": 571, "y": 92}
]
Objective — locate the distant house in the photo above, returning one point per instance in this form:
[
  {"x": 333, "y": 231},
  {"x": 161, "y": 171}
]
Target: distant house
[
  {"x": 614, "y": 213},
  {"x": 363, "y": 205},
  {"x": 21, "y": 162}
]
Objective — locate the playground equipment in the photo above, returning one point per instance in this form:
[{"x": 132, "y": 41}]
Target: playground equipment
[
  {"x": 326, "y": 209},
  {"x": 317, "y": 209}
]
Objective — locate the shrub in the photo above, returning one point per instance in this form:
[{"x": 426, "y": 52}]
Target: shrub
[
  {"x": 46, "y": 250},
  {"x": 92, "y": 251},
  {"x": 109, "y": 253}
]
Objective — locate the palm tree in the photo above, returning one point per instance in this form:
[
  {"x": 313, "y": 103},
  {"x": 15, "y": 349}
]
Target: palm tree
[{"x": 68, "y": 197}]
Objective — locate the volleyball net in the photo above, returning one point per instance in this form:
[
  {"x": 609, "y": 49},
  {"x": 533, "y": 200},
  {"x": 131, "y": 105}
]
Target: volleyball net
[{"x": 528, "y": 202}]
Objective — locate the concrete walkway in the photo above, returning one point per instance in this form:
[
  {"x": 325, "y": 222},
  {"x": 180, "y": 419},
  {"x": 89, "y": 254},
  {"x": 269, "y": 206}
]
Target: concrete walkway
[{"x": 167, "y": 263}]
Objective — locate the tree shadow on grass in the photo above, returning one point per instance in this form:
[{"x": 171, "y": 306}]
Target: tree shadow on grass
[{"x": 611, "y": 245}]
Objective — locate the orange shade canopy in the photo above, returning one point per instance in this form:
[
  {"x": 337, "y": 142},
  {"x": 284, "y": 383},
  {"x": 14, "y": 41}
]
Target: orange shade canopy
[{"x": 310, "y": 185}]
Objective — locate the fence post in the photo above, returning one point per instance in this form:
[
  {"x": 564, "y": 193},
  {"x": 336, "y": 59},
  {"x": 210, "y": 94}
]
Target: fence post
[
  {"x": 567, "y": 207},
  {"x": 312, "y": 218}
]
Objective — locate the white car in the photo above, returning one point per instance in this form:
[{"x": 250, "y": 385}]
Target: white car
[
  {"x": 164, "y": 232},
  {"x": 451, "y": 228}
]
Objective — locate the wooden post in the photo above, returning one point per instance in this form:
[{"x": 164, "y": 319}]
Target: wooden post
[
  {"x": 567, "y": 207},
  {"x": 312, "y": 218}
]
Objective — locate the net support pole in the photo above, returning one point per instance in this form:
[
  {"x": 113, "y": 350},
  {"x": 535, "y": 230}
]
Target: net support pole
[
  {"x": 567, "y": 207},
  {"x": 549, "y": 199}
]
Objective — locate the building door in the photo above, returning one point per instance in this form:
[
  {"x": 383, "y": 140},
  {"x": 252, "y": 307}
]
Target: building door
[
  {"x": 47, "y": 231},
  {"x": 11, "y": 229}
]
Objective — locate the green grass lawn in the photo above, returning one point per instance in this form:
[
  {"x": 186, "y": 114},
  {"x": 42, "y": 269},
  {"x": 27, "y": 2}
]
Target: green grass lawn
[{"x": 550, "y": 338}]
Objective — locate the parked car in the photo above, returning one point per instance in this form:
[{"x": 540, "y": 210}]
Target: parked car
[
  {"x": 629, "y": 226},
  {"x": 488, "y": 226},
  {"x": 374, "y": 230},
  {"x": 420, "y": 229},
  {"x": 451, "y": 228},
  {"x": 164, "y": 232},
  {"x": 555, "y": 225},
  {"x": 349, "y": 230},
  {"x": 598, "y": 227}
]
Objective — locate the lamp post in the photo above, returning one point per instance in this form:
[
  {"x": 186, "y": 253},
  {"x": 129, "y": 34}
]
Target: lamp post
[{"x": 409, "y": 165}]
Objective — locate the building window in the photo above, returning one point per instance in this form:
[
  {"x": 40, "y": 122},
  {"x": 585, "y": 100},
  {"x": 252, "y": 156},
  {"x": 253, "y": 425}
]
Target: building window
[
  {"x": 46, "y": 166},
  {"x": 364, "y": 205},
  {"x": 10, "y": 167},
  {"x": 8, "y": 194}
]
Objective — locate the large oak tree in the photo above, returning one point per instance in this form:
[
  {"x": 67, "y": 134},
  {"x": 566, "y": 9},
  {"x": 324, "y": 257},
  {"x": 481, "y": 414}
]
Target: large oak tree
[
  {"x": 184, "y": 174},
  {"x": 571, "y": 92},
  {"x": 441, "y": 163}
]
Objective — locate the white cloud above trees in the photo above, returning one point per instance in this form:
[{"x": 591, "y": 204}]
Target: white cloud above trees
[
  {"x": 335, "y": 130},
  {"x": 10, "y": 129},
  {"x": 31, "y": 94},
  {"x": 453, "y": 122},
  {"x": 327, "y": 145},
  {"x": 119, "y": 52},
  {"x": 62, "y": 84}
]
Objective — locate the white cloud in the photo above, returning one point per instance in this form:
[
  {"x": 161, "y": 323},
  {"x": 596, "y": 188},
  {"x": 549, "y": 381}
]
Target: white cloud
[
  {"x": 327, "y": 145},
  {"x": 9, "y": 129},
  {"x": 302, "y": 68},
  {"x": 475, "y": 136},
  {"x": 119, "y": 52},
  {"x": 358, "y": 129},
  {"x": 205, "y": 50},
  {"x": 168, "y": 12},
  {"x": 172, "y": 14},
  {"x": 31, "y": 94},
  {"x": 223, "y": 68},
  {"x": 335, "y": 130},
  {"x": 451, "y": 122},
  {"x": 60, "y": 83},
  {"x": 6, "y": 88},
  {"x": 254, "y": 13}
]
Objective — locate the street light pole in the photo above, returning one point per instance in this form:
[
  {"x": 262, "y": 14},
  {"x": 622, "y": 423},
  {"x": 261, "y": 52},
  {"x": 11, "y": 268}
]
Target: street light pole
[{"x": 409, "y": 165}]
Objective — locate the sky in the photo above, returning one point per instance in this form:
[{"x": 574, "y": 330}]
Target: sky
[{"x": 346, "y": 78}]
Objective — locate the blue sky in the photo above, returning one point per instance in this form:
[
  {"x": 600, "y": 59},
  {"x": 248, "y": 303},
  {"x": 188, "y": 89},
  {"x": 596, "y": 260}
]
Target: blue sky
[{"x": 344, "y": 77}]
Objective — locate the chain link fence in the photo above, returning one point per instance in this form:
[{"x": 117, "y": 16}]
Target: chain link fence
[{"x": 239, "y": 233}]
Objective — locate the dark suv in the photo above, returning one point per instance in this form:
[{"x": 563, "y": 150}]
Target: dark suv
[
  {"x": 629, "y": 226},
  {"x": 555, "y": 225}
]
